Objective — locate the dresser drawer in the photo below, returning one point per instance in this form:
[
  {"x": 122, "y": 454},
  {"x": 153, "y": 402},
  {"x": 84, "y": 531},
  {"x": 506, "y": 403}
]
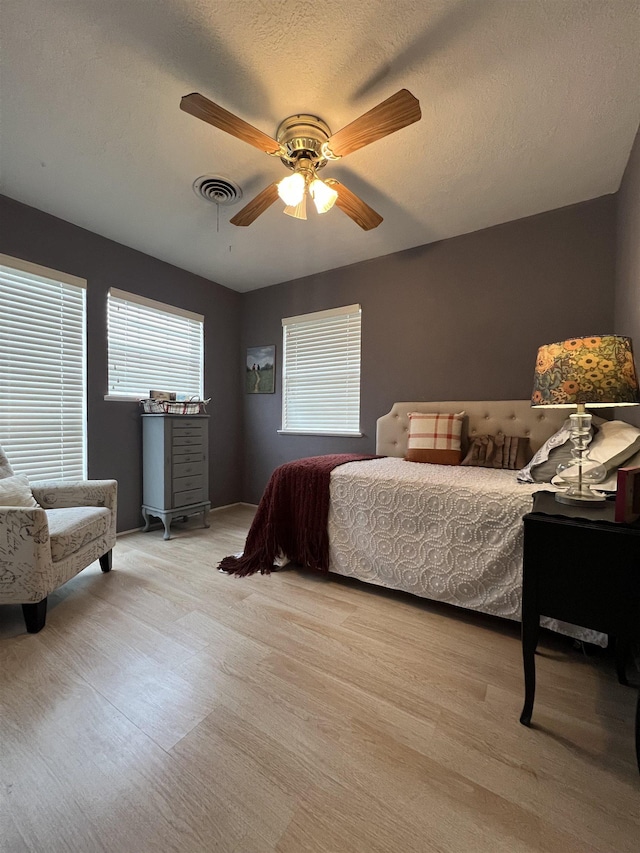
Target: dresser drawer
[
  {"x": 197, "y": 432},
  {"x": 188, "y": 453},
  {"x": 192, "y": 496},
  {"x": 189, "y": 423},
  {"x": 186, "y": 469},
  {"x": 183, "y": 484},
  {"x": 187, "y": 440}
]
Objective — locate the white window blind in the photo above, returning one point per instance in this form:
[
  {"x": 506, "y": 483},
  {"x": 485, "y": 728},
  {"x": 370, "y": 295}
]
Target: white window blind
[
  {"x": 153, "y": 346},
  {"x": 321, "y": 372},
  {"x": 42, "y": 370}
]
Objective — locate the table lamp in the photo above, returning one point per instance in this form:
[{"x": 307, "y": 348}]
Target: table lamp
[{"x": 594, "y": 372}]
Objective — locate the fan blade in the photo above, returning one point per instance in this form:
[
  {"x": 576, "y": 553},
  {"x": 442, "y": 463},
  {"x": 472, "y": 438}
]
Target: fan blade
[
  {"x": 250, "y": 212},
  {"x": 396, "y": 112},
  {"x": 354, "y": 207},
  {"x": 200, "y": 107}
]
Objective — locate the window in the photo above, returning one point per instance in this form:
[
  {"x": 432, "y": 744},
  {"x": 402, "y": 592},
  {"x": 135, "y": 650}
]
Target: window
[
  {"x": 321, "y": 372},
  {"x": 153, "y": 346},
  {"x": 42, "y": 370}
]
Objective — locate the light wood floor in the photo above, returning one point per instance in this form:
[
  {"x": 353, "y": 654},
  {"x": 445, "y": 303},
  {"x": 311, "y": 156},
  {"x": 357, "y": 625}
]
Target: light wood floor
[{"x": 168, "y": 707}]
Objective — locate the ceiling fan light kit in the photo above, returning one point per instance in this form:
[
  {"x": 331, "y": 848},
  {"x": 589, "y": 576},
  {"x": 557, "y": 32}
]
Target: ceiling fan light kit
[
  {"x": 293, "y": 189},
  {"x": 299, "y": 210},
  {"x": 305, "y": 144}
]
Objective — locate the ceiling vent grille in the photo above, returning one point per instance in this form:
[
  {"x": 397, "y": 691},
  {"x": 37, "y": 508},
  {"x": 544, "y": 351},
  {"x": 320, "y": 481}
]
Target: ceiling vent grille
[{"x": 217, "y": 190}]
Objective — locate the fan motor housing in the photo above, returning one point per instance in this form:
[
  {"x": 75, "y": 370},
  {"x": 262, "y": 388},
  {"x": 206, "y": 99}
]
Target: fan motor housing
[{"x": 303, "y": 135}]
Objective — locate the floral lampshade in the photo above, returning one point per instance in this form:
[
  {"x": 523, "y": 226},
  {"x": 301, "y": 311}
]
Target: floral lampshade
[{"x": 597, "y": 371}]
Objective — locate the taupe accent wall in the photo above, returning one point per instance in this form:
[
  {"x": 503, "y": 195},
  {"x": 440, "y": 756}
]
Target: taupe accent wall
[
  {"x": 114, "y": 428},
  {"x": 460, "y": 319},
  {"x": 627, "y": 293}
]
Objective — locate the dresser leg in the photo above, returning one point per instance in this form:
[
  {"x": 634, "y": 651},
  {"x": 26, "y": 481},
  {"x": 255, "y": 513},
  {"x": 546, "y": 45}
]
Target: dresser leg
[
  {"x": 167, "y": 527},
  {"x": 147, "y": 522},
  {"x": 205, "y": 519}
]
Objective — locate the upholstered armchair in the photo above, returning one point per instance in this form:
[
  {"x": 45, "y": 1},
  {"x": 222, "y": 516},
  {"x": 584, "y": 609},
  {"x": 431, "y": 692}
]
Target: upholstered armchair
[{"x": 42, "y": 547}]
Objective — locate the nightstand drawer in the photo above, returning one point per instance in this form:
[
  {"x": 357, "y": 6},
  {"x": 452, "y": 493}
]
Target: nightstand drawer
[
  {"x": 183, "y": 484},
  {"x": 186, "y": 469},
  {"x": 192, "y": 496}
]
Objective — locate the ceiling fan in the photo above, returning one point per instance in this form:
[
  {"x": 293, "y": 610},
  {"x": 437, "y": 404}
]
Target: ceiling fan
[{"x": 305, "y": 145}]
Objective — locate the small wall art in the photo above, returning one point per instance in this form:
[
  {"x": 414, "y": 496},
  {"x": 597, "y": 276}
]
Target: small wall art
[{"x": 260, "y": 372}]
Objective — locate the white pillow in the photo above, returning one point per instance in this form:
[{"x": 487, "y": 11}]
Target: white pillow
[
  {"x": 614, "y": 443},
  {"x": 15, "y": 491},
  {"x": 611, "y": 483}
]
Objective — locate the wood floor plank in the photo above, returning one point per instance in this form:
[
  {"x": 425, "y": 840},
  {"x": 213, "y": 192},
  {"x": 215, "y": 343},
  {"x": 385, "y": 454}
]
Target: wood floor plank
[
  {"x": 367, "y": 755},
  {"x": 168, "y": 707},
  {"x": 548, "y": 774},
  {"x": 228, "y": 766},
  {"x": 83, "y": 778}
]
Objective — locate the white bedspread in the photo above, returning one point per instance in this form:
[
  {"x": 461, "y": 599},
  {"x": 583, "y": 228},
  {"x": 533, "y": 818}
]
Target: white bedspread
[{"x": 443, "y": 532}]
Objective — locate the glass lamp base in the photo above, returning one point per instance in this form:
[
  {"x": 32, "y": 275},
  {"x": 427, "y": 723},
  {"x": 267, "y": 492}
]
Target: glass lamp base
[
  {"x": 577, "y": 498},
  {"x": 580, "y": 473}
]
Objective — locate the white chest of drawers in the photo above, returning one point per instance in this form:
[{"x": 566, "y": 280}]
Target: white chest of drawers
[{"x": 175, "y": 468}]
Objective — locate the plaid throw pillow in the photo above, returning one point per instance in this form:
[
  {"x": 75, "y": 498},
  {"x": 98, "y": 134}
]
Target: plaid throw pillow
[{"x": 434, "y": 438}]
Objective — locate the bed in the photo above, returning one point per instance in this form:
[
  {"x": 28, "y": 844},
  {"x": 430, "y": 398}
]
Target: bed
[{"x": 443, "y": 532}]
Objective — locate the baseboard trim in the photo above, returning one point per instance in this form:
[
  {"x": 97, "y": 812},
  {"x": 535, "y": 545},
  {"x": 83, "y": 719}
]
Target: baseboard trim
[
  {"x": 213, "y": 509},
  {"x": 229, "y": 506}
]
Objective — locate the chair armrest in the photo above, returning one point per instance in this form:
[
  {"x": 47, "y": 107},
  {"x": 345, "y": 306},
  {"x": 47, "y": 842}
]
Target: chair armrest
[
  {"x": 53, "y": 494},
  {"x": 24, "y": 544}
]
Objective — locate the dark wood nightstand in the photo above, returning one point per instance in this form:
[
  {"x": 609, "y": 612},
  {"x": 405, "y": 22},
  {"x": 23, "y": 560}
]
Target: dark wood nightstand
[{"x": 581, "y": 567}]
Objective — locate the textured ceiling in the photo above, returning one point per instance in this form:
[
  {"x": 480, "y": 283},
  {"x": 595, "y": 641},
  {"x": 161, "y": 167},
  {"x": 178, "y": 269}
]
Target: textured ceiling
[{"x": 527, "y": 105}]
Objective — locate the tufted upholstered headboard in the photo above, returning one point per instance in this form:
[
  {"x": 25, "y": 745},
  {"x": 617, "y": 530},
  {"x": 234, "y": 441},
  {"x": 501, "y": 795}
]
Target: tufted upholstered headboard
[{"x": 511, "y": 417}]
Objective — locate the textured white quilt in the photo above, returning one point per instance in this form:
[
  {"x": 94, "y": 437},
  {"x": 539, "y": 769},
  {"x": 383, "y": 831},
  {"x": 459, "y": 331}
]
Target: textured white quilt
[{"x": 443, "y": 532}]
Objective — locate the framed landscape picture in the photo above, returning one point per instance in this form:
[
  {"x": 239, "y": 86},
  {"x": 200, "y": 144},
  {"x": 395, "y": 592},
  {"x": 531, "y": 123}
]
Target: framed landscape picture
[{"x": 260, "y": 371}]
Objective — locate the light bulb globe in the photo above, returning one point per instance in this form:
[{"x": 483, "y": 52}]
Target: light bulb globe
[
  {"x": 324, "y": 196},
  {"x": 291, "y": 189}
]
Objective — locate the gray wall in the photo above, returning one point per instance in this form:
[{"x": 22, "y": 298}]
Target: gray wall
[
  {"x": 114, "y": 433},
  {"x": 627, "y": 293},
  {"x": 459, "y": 319}
]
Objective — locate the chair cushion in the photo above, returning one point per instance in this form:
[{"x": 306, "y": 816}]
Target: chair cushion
[{"x": 71, "y": 528}]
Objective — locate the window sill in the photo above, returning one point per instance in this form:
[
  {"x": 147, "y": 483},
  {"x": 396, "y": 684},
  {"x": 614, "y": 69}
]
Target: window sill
[
  {"x": 121, "y": 398},
  {"x": 351, "y": 433}
]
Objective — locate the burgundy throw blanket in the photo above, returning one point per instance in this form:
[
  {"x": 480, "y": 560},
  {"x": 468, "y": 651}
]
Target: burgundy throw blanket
[{"x": 292, "y": 517}]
